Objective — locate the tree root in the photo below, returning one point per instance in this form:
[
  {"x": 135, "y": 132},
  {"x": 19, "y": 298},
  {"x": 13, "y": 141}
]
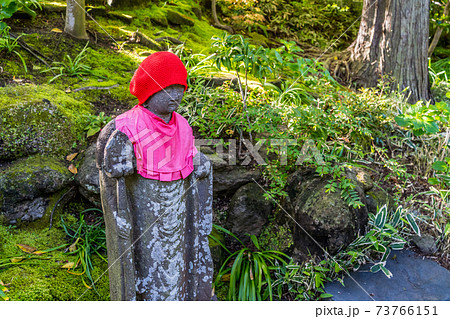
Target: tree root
[
  {"x": 170, "y": 39},
  {"x": 95, "y": 88},
  {"x": 338, "y": 64},
  {"x": 38, "y": 55},
  {"x": 138, "y": 37}
]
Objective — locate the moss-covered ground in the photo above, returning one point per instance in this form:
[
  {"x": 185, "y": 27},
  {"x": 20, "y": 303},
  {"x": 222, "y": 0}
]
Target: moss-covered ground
[{"x": 42, "y": 277}]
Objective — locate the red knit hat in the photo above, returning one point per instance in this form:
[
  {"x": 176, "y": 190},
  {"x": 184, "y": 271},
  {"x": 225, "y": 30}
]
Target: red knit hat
[{"x": 156, "y": 72}]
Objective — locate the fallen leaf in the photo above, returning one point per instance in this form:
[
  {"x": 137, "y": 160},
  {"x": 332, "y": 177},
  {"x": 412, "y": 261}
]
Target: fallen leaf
[
  {"x": 68, "y": 90},
  {"x": 17, "y": 80},
  {"x": 39, "y": 252},
  {"x": 17, "y": 259},
  {"x": 56, "y": 30},
  {"x": 73, "y": 169},
  {"x": 68, "y": 265},
  {"x": 71, "y": 157},
  {"x": 26, "y": 248}
]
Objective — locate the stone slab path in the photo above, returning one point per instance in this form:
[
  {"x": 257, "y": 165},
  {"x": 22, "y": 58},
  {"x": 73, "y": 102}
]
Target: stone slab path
[{"x": 414, "y": 278}]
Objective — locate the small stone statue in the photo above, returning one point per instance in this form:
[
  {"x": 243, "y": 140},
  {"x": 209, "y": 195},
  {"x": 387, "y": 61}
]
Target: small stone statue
[{"x": 157, "y": 204}]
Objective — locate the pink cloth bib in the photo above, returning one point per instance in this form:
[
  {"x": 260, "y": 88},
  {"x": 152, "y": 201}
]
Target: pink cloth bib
[{"x": 164, "y": 151}]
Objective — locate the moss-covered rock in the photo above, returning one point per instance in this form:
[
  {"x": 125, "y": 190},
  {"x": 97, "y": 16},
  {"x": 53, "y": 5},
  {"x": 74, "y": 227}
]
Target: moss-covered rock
[
  {"x": 39, "y": 119},
  {"x": 323, "y": 215},
  {"x": 160, "y": 20},
  {"x": 248, "y": 212},
  {"x": 87, "y": 177},
  {"x": 179, "y": 18},
  {"x": 26, "y": 187},
  {"x": 276, "y": 236}
]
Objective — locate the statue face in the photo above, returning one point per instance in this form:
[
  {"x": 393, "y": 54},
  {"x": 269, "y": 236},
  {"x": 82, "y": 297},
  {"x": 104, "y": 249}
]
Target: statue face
[{"x": 166, "y": 101}]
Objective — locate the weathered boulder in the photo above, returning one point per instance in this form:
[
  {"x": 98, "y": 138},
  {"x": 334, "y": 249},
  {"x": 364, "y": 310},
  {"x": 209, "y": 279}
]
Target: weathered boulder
[
  {"x": 248, "y": 211},
  {"x": 87, "y": 177},
  {"x": 323, "y": 215},
  {"x": 362, "y": 177},
  {"x": 38, "y": 119},
  {"x": 426, "y": 243},
  {"x": 228, "y": 178},
  {"x": 160, "y": 20},
  {"x": 198, "y": 12},
  {"x": 27, "y": 185},
  {"x": 179, "y": 19}
]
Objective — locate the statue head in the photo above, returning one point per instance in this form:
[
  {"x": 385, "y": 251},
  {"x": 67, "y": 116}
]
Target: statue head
[
  {"x": 166, "y": 101},
  {"x": 157, "y": 72}
]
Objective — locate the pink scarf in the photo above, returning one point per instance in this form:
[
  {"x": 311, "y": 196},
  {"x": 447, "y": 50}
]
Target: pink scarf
[{"x": 164, "y": 151}]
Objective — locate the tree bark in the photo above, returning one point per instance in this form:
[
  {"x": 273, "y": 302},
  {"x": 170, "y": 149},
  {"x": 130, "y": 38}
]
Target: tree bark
[
  {"x": 76, "y": 19},
  {"x": 393, "y": 42},
  {"x": 438, "y": 32}
]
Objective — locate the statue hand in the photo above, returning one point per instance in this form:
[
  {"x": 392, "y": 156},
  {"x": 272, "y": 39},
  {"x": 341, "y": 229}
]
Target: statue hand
[{"x": 118, "y": 156}]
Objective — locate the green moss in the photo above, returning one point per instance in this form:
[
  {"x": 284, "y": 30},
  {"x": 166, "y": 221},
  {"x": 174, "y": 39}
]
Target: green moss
[
  {"x": 44, "y": 279},
  {"x": 276, "y": 237},
  {"x": 221, "y": 291},
  {"x": 258, "y": 39},
  {"x": 39, "y": 119}
]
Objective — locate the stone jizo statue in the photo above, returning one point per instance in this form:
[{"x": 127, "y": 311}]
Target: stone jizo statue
[{"x": 157, "y": 204}]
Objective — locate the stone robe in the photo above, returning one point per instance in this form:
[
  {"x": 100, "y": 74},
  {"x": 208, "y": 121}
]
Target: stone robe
[{"x": 157, "y": 232}]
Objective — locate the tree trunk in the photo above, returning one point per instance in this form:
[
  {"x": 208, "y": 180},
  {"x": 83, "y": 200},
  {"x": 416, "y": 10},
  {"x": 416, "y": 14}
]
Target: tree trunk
[
  {"x": 217, "y": 24},
  {"x": 76, "y": 19},
  {"x": 393, "y": 42}
]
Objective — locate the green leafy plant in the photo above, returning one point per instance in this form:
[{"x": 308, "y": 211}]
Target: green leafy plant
[
  {"x": 303, "y": 282},
  {"x": 388, "y": 231},
  {"x": 94, "y": 123},
  {"x": 71, "y": 67},
  {"x": 236, "y": 54},
  {"x": 87, "y": 240},
  {"x": 250, "y": 270},
  {"x": 424, "y": 118},
  {"x": 315, "y": 22},
  {"x": 9, "y": 7},
  {"x": 196, "y": 64},
  {"x": 9, "y": 44},
  {"x": 341, "y": 181}
]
